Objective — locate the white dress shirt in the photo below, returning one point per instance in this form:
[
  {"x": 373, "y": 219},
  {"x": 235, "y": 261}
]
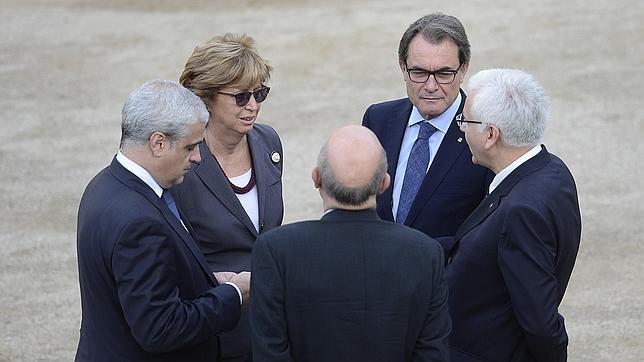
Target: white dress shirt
[
  {"x": 145, "y": 176},
  {"x": 511, "y": 167}
]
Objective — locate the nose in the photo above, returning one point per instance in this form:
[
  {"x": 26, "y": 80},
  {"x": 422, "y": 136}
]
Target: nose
[
  {"x": 430, "y": 84},
  {"x": 195, "y": 156},
  {"x": 252, "y": 104}
]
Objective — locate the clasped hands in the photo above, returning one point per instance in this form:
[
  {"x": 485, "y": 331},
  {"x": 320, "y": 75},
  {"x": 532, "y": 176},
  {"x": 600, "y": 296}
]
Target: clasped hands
[{"x": 241, "y": 280}]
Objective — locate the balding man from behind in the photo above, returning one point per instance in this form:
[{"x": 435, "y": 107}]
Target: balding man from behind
[{"x": 348, "y": 287}]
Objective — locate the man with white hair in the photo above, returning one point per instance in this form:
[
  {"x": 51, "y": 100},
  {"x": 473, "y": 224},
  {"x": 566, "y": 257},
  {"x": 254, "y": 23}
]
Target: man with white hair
[{"x": 510, "y": 261}]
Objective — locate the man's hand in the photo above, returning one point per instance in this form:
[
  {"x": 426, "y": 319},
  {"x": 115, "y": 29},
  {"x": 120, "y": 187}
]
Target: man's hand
[
  {"x": 223, "y": 277},
  {"x": 242, "y": 281}
]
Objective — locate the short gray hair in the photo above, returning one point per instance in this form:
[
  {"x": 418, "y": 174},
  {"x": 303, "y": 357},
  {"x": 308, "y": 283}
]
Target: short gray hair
[
  {"x": 511, "y": 100},
  {"x": 354, "y": 196},
  {"x": 160, "y": 106},
  {"x": 435, "y": 28}
]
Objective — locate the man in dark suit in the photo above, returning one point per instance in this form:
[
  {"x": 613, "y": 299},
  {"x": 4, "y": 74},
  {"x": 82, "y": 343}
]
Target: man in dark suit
[
  {"x": 510, "y": 261},
  {"x": 146, "y": 291},
  {"x": 349, "y": 287},
  {"x": 434, "y": 184}
]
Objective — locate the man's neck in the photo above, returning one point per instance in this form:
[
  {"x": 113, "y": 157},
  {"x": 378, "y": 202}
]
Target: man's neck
[
  {"x": 506, "y": 156},
  {"x": 330, "y": 203}
]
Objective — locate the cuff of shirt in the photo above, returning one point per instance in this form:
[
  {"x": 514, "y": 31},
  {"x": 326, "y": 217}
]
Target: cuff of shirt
[{"x": 241, "y": 300}]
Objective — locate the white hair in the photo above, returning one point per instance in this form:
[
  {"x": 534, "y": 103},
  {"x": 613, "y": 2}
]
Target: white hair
[
  {"x": 511, "y": 100},
  {"x": 160, "y": 106}
]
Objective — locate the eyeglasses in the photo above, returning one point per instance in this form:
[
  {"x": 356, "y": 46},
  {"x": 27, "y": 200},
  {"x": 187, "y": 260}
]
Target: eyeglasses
[
  {"x": 461, "y": 120},
  {"x": 443, "y": 76},
  {"x": 243, "y": 98}
]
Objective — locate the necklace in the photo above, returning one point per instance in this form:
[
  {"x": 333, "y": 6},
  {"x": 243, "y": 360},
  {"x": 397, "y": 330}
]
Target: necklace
[
  {"x": 238, "y": 190},
  {"x": 249, "y": 186}
]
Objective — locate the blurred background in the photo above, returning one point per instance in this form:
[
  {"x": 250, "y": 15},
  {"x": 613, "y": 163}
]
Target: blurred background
[{"x": 67, "y": 66}]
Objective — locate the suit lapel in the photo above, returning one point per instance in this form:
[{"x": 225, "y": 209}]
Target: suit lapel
[
  {"x": 451, "y": 148},
  {"x": 493, "y": 200},
  {"x": 217, "y": 182},
  {"x": 392, "y": 143},
  {"x": 261, "y": 160},
  {"x": 132, "y": 181}
]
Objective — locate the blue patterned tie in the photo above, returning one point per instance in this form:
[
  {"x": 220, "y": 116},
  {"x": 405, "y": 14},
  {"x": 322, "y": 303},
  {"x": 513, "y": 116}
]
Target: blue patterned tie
[
  {"x": 169, "y": 200},
  {"x": 415, "y": 172}
]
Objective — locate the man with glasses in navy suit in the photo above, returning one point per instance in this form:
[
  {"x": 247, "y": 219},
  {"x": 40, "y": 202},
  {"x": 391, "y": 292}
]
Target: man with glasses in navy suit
[
  {"x": 510, "y": 261},
  {"x": 434, "y": 184}
]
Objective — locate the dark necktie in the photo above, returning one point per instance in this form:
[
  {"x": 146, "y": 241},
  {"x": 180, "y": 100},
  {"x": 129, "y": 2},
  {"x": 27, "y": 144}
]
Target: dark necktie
[
  {"x": 169, "y": 200},
  {"x": 415, "y": 172}
]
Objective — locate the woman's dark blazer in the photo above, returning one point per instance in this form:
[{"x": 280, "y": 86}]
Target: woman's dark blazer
[{"x": 224, "y": 231}]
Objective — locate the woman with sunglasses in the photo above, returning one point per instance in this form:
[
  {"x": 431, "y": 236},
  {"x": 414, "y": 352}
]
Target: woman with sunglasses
[{"x": 236, "y": 191}]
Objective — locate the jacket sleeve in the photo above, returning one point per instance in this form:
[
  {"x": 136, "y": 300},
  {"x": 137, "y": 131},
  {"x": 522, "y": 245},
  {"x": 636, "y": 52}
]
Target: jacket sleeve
[
  {"x": 144, "y": 265},
  {"x": 526, "y": 257},
  {"x": 269, "y": 334},
  {"x": 433, "y": 342}
]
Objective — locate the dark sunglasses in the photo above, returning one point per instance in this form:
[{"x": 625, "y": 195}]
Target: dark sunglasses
[{"x": 243, "y": 98}]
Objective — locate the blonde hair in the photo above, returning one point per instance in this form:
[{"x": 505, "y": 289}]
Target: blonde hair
[{"x": 230, "y": 59}]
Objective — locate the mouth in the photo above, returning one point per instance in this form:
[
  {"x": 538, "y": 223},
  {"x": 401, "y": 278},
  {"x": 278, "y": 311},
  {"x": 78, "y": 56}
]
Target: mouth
[
  {"x": 431, "y": 99},
  {"x": 248, "y": 120}
]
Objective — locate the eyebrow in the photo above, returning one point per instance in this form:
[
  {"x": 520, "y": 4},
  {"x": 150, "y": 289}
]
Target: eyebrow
[
  {"x": 194, "y": 144},
  {"x": 427, "y": 70}
]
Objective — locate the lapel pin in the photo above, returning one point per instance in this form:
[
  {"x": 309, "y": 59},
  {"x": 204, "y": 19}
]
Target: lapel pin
[
  {"x": 275, "y": 157},
  {"x": 492, "y": 204},
  {"x": 459, "y": 140}
]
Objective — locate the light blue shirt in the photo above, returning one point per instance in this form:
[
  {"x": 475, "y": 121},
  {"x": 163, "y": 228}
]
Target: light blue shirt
[{"x": 442, "y": 123}]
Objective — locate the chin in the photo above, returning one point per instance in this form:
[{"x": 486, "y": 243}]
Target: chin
[{"x": 178, "y": 181}]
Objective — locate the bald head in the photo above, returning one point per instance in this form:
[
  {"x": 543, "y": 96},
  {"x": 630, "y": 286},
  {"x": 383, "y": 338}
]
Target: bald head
[{"x": 352, "y": 166}]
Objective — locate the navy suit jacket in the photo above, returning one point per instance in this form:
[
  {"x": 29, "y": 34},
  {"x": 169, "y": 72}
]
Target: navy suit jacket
[
  {"x": 349, "y": 287},
  {"x": 510, "y": 265},
  {"x": 146, "y": 291},
  {"x": 224, "y": 231},
  {"x": 453, "y": 186}
]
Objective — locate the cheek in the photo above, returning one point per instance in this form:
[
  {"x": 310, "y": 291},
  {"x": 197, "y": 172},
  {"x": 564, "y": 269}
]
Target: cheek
[{"x": 413, "y": 88}]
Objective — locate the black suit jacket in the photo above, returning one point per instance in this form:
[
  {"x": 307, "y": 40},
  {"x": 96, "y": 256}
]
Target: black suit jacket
[
  {"x": 225, "y": 233},
  {"x": 510, "y": 266},
  {"x": 453, "y": 186},
  {"x": 146, "y": 291},
  {"x": 349, "y": 287}
]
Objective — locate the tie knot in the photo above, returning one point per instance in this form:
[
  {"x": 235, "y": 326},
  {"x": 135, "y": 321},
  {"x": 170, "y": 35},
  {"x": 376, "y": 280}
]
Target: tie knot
[{"x": 426, "y": 130}]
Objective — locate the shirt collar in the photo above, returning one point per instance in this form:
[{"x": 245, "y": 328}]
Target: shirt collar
[
  {"x": 511, "y": 167},
  {"x": 442, "y": 122},
  {"x": 140, "y": 172}
]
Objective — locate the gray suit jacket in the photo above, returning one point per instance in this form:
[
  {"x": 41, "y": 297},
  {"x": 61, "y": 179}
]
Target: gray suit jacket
[{"x": 224, "y": 231}]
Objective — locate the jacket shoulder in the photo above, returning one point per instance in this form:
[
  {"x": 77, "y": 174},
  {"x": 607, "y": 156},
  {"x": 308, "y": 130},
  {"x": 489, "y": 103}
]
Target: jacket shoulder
[
  {"x": 267, "y": 134},
  {"x": 389, "y": 105}
]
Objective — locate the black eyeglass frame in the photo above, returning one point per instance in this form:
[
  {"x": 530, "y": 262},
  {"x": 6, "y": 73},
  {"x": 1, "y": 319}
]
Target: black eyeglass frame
[
  {"x": 242, "y": 98},
  {"x": 433, "y": 73},
  {"x": 461, "y": 120}
]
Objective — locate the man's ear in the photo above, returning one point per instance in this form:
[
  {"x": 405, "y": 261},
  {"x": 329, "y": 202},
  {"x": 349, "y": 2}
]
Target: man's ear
[
  {"x": 158, "y": 142},
  {"x": 492, "y": 136},
  {"x": 463, "y": 73},
  {"x": 384, "y": 184},
  {"x": 317, "y": 179},
  {"x": 403, "y": 69}
]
